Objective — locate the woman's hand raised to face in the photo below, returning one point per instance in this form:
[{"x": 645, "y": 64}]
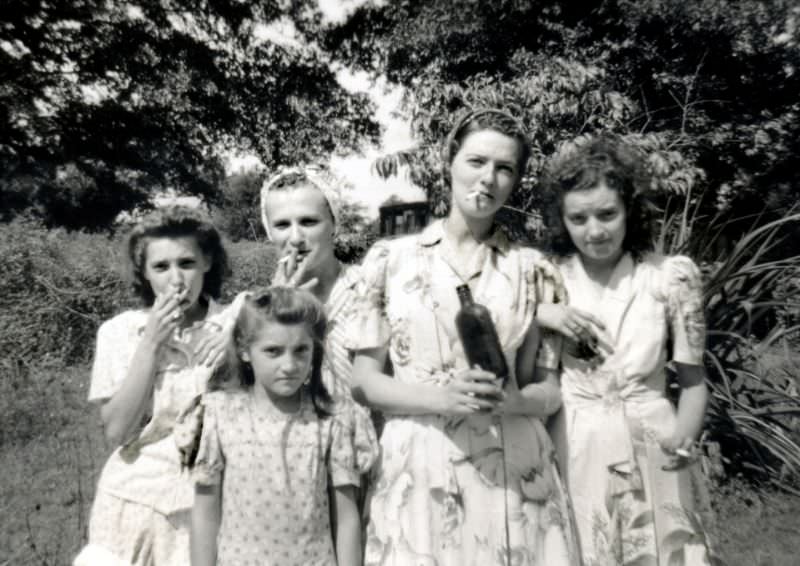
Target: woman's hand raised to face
[
  {"x": 471, "y": 391},
  {"x": 290, "y": 272},
  {"x": 165, "y": 315}
]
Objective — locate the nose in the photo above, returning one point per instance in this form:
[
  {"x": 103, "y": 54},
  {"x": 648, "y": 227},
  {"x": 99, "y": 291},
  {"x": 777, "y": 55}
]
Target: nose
[
  {"x": 290, "y": 365},
  {"x": 295, "y": 234},
  {"x": 488, "y": 175},
  {"x": 176, "y": 276},
  {"x": 595, "y": 229}
]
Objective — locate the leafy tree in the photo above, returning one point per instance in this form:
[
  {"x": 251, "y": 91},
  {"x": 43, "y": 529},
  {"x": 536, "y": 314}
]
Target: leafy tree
[{"x": 105, "y": 103}]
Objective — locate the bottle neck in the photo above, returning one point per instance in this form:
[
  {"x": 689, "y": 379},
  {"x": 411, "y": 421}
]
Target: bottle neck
[{"x": 464, "y": 295}]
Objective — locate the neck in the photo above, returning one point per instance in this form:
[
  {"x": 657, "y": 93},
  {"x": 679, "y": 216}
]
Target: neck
[
  {"x": 462, "y": 230},
  {"x": 601, "y": 270},
  {"x": 326, "y": 276},
  {"x": 194, "y": 313},
  {"x": 277, "y": 403}
]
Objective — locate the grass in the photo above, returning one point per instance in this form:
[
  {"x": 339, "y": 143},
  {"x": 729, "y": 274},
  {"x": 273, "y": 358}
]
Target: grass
[{"x": 52, "y": 450}]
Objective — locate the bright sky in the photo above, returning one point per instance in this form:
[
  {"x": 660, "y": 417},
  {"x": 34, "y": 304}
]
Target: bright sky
[{"x": 368, "y": 189}]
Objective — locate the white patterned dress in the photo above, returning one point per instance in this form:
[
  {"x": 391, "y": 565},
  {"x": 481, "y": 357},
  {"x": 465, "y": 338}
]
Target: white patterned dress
[
  {"x": 274, "y": 470},
  {"x": 628, "y": 509},
  {"x": 457, "y": 491}
]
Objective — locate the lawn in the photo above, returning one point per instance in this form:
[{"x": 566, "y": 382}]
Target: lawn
[{"x": 52, "y": 449}]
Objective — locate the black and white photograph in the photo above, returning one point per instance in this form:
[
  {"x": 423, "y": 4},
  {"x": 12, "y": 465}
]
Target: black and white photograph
[{"x": 399, "y": 283}]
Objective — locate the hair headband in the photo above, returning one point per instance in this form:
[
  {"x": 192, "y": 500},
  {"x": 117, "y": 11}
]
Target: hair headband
[{"x": 292, "y": 176}]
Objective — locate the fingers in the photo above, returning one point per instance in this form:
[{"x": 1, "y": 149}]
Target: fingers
[
  {"x": 211, "y": 349},
  {"x": 475, "y": 374},
  {"x": 309, "y": 285},
  {"x": 589, "y": 320}
]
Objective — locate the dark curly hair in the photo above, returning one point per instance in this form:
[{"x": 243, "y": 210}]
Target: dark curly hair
[
  {"x": 283, "y": 305},
  {"x": 603, "y": 159},
  {"x": 175, "y": 222}
]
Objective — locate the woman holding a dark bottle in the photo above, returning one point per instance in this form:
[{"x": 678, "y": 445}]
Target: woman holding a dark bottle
[{"x": 466, "y": 474}]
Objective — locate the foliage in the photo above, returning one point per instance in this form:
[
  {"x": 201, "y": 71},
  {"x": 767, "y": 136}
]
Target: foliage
[
  {"x": 238, "y": 212},
  {"x": 354, "y": 233},
  {"x": 711, "y": 85},
  {"x": 105, "y": 103},
  {"x": 755, "y": 409}
]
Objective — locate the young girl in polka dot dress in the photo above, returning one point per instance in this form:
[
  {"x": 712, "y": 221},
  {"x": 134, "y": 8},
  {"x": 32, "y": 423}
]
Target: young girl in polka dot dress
[{"x": 270, "y": 448}]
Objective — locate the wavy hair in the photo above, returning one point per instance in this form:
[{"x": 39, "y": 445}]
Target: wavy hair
[
  {"x": 603, "y": 159},
  {"x": 175, "y": 222}
]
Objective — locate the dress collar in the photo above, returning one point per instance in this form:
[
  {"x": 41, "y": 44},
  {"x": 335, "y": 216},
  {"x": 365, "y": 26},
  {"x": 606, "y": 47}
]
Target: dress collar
[{"x": 434, "y": 233}]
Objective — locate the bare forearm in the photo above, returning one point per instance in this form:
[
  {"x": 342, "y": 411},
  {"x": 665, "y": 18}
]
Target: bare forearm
[
  {"x": 348, "y": 532},
  {"x": 206, "y": 518},
  {"x": 691, "y": 411},
  {"x": 124, "y": 410},
  {"x": 539, "y": 399}
]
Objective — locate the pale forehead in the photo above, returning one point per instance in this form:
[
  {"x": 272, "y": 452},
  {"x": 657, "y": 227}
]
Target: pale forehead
[
  {"x": 165, "y": 248},
  {"x": 303, "y": 200},
  {"x": 276, "y": 333},
  {"x": 491, "y": 143},
  {"x": 598, "y": 197}
]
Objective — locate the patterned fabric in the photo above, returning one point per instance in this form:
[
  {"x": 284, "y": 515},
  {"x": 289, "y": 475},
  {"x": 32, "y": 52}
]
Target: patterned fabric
[
  {"x": 337, "y": 366},
  {"x": 147, "y": 469},
  {"x": 274, "y": 470},
  {"x": 142, "y": 491},
  {"x": 628, "y": 509},
  {"x": 450, "y": 491},
  {"x": 148, "y": 537}
]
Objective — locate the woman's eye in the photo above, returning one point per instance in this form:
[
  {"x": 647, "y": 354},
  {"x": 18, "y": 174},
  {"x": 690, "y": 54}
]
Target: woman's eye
[
  {"x": 608, "y": 214},
  {"x": 188, "y": 263},
  {"x": 272, "y": 351},
  {"x": 303, "y": 350},
  {"x": 159, "y": 266},
  {"x": 281, "y": 225},
  {"x": 310, "y": 221},
  {"x": 576, "y": 219}
]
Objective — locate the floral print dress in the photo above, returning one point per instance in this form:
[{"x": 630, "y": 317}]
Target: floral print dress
[
  {"x": 628, "y": 508},
  {"x": 458, "y": 491}
]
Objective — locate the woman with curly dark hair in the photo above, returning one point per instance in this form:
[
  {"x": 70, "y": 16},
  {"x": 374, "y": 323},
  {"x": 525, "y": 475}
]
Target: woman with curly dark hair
[{"x": 628, "y": 457}]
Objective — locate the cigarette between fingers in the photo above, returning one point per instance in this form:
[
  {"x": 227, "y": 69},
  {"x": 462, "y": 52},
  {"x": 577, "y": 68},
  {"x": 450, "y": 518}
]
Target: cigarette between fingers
[
  {"x": 683, "y": 453},
  {"x": 285, "y": 259}
]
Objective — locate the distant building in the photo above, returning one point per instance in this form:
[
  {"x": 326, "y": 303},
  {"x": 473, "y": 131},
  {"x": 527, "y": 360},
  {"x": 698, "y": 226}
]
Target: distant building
[{"x": 398, "y": 218}]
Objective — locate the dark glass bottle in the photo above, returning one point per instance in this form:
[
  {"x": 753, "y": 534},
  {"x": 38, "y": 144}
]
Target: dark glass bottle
[{"x": 479, "y": 336}]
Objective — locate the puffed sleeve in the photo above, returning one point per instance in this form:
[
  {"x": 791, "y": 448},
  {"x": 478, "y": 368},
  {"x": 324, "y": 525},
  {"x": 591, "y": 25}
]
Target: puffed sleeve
[
  {"x": 368, "y": 326},
  {"x": 684, "y": 291},
  {"x": 117, "y": 340},
  {"x": 351, "y": 453},
  {"x": 210, "y": 460},
  {"x": 547, "y": 286}
]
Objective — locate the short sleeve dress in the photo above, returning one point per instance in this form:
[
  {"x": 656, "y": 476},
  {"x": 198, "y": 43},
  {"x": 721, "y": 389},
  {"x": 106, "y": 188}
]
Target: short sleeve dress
[
  {"x": 479, "y": 490},
  {"x": 147, "y": 468},
  {"x": 628, "y": 509},
  {"x": 274, "y": 470}
]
